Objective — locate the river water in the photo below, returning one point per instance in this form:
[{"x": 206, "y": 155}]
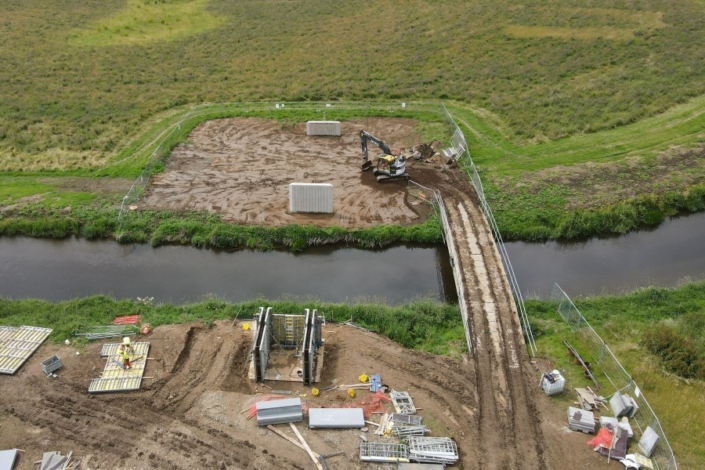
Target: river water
[
  {"x": 63, "y": 269},
  {"x": 664, "y": 256}
]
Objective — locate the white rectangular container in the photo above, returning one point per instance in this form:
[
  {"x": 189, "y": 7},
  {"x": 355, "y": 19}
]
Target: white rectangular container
[
  {"x": 311, "y": 197},
  {"x": 323, "y": 128}
]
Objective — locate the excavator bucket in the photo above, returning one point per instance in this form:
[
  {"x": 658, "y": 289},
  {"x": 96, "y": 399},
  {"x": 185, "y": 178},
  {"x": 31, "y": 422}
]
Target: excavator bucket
[{"x": 367, "y": 165}]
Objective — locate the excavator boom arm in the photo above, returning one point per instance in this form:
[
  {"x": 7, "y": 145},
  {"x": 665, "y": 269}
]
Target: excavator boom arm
[{"x": 365, "y": 136}]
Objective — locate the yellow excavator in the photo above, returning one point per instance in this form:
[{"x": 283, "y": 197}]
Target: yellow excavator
[{"x": 390, "y": 167}]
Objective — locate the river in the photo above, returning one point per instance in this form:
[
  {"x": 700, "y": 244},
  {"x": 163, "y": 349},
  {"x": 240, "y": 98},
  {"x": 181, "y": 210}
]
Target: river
[
  {"x": 663, "y": 256},
  {"x": 63, "y": 269}
]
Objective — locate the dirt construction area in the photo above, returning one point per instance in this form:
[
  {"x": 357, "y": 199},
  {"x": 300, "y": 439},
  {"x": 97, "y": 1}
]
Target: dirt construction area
[
  {"x": 241, "y": 168},
  {"x": 194, "y": 403},
  {"x": 192, "y": 412}
]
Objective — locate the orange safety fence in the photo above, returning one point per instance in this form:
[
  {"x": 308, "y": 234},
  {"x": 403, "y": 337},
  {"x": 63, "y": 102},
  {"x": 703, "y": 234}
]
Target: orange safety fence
[{"x": 126, "y": 320}]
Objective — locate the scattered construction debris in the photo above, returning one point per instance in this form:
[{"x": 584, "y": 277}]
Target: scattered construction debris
[
  {"x": 279, "y": 411},
  {"x": 623, "y": 405},
  {"x": 18, "y": 344},
  {"x": 589, "y": 400},
  {"x": 611, "y": 422},
  {"x": 441, "y": 450},
  {"x": 313, "y": 456},
  {"x": 637, "y": 461},
  {"x": 126, "y": 320},
  {"x": 56, "y": 461},
  {"x": 407, "y": 425},
  {"x": 383, "y": 452},
  {"x": 107, "y": 331},
  {"x": 420, "y": 466},
  {"x": 581, "y": 420},
  {"x": 375, "y": 382},
  {"x": 648, "y": 441}
]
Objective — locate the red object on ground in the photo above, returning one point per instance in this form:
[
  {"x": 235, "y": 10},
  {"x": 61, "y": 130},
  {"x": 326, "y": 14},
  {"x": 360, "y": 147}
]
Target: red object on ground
[
  {"x": 127, "y": 320},
  {"x": 145, "y": 329},
  {"x": 603, "y": 439}
]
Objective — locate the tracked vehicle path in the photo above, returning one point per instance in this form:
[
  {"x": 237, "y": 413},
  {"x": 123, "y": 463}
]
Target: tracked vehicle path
[{"x": 509, "y": 436}]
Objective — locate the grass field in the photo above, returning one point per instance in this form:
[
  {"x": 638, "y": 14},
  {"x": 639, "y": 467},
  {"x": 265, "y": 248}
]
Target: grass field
[
  {"x": 80, "y": 77},
  {"x": 582, "y": 119}
]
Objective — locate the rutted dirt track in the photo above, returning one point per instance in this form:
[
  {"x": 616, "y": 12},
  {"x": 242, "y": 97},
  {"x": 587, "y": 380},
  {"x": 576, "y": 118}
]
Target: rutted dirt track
[
  {"x": 507, "y": 413},
  {"x": 189, "y": 412}
]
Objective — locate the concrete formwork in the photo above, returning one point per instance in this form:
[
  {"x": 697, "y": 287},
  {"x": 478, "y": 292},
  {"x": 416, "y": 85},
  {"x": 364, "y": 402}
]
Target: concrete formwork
[{"x": 287, "y": 347}]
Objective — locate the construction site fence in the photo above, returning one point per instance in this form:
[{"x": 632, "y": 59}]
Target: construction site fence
[
  {"x": 605, "y": 365},
  {"x": 448, "y": 239},
  {"x": 462, "y": 151},
  {"x": 160, "y": 147}
]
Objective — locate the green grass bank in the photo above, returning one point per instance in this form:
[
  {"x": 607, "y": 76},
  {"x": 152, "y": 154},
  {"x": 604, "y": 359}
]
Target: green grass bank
[
  {"x": 202, "y": 229},
  {"x": 602, "y": 183}
]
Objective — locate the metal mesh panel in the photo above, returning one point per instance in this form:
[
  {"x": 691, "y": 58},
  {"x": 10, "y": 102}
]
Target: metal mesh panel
[
  {"x": 604, "y": 363},
  {"x": 18, "y": 344}
]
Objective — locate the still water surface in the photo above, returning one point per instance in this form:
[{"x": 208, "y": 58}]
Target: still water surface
[
  {"x": 664, "y": 256},
  {"x": 63, "y": 269}
]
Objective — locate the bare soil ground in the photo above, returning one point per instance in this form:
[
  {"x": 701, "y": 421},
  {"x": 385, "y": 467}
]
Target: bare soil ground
[
  {"x": 188, "y": 415},
  {"x": 241, "y": 168}
]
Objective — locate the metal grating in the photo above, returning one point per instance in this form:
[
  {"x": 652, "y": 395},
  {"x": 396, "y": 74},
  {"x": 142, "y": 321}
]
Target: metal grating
[
  {"x": 383, "y": 452},
  {"x": 406, "y": 419},
  {"x": 18, "y": 344},
  {"x": 115, "y": 384},
  {"x": 433, "y": 449},
  {"x": 117, "y": 379},
  {"x": 311, "y": 197}
]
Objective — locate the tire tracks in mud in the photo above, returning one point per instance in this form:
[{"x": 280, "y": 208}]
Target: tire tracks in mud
[
  {"x": 148, "y": 429},
  {"x": 508, "y": 430}
]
